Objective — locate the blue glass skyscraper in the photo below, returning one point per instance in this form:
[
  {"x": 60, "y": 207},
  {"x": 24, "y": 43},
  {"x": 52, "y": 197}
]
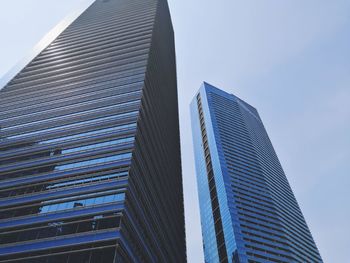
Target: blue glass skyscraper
[{"x": 248, "y": 210}]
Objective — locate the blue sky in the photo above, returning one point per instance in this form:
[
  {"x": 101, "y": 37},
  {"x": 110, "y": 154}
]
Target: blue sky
[{"x": 290, "y": 59}]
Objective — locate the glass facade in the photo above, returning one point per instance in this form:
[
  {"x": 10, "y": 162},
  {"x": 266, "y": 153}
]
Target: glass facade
[
  {"x": 89, "y": 143},
  {"x": 248, "y": 210}
]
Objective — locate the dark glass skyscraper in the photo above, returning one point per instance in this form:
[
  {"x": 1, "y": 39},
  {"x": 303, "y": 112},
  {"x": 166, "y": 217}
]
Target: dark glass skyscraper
[
  {"x": 90, "y": 165},
  {"x": 248, "y": 210}
]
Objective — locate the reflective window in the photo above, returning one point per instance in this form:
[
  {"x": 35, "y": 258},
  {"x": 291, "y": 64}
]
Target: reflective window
[
  {"x": 87, "y": 180},
  {"x": 76, "y": 164},
  {"x": 94, "y": 161},
  {"x": 120, "y": 105},
  {"x": 53, "y": 108},
  {"x": 81, "y": 202},
  {"x": 73, "y": 125},
  {"x": 68, "y": 182},
  {"x": 96, "y": 132},
  {"x": 98, "y": 145},
  {"x": 64, "y": 204},
  {"x": 87, "y": 253}
]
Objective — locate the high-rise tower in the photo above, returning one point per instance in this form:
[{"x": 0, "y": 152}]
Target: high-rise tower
[
  {"x": 248, "y": 210},
  {"x": 90, "y": 165}
]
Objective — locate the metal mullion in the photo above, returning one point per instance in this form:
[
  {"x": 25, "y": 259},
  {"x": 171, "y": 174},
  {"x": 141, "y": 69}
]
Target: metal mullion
[
  {"x": 86, "y": 96},
  {"x": 101, "y": 37},
  {"x": 105, "y": 25},
  {"x": 78, "y": 26},
  {"x": 60, "y": 253},
  {"x": 85, "y": 21},
  {"x": 67, "y": 197},
  {"x": 48, "y": 176},
  {"x": 119, "y": 98},
  {"x": 68, "y": 118},
  {"x": 64, "y": 89},
  {"x": 91, "y": 37},
  {"x": 97, "y": 121},
  {"x": 64, "y": 159},
  {"x": 63, "y": 224},
  {"x": 96, "y": 49},
  {"x": 31, "y": 150},
  {"x": 54, "y": 79},
  {"x": 73, "y": 177},
  {"x": 138, "y": 45},
  {"x": 80, "y": 65},
  {"x": 32, "y": 80}
]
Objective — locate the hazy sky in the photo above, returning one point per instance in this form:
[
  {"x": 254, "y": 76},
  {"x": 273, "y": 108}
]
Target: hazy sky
[{"x": 288, "y": 58}]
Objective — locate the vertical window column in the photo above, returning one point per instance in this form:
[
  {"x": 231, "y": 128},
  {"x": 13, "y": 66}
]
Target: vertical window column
[{"x": 219, "y": 233}]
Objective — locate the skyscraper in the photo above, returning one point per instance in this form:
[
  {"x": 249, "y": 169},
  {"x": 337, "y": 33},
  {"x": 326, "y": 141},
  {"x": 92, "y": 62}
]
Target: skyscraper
[
  {"x": 90, "y": 167},
  {"x": 248, "y": 210}
]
